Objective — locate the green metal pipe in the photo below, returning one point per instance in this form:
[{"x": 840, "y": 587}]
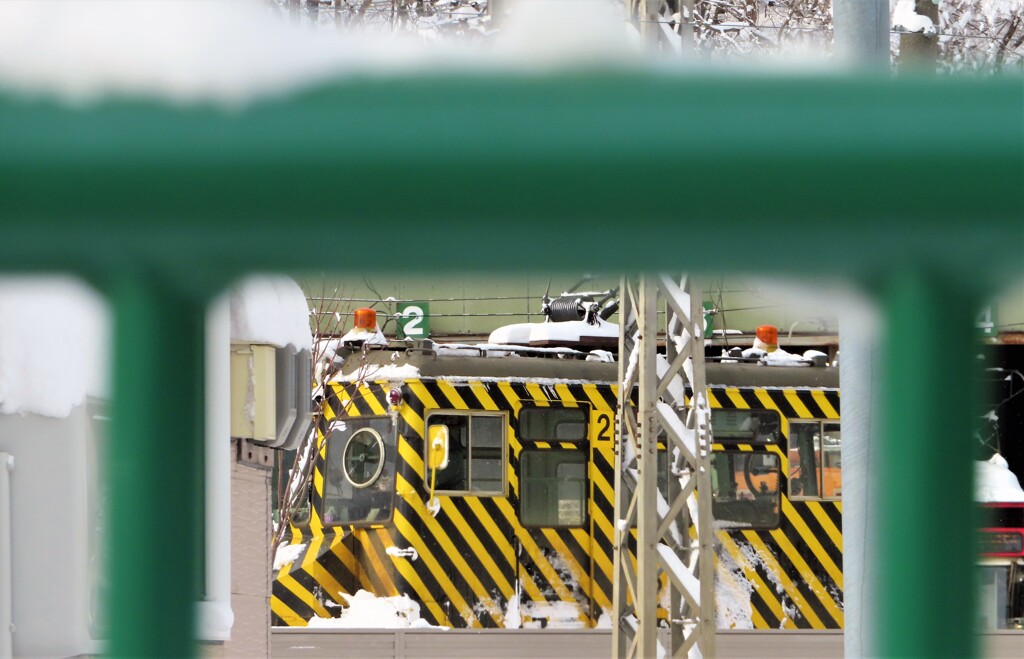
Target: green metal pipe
[
  {"x": 154, "y": 472},
  {"x": 927, "y": 591}
]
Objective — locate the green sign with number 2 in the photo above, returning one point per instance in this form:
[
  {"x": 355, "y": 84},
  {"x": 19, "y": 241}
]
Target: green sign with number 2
[{"x": 413, "y": 320}]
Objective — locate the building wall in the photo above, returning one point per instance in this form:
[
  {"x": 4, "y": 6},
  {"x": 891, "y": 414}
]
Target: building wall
[{"x": 250, "y": 561}]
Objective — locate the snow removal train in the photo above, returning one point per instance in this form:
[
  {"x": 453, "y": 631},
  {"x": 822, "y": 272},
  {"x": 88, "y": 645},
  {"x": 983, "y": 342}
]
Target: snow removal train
[{"x": 479, "y": 481}]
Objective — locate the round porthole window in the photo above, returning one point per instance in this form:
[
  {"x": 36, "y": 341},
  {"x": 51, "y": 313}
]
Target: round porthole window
[{"x": 364, "y": 457}]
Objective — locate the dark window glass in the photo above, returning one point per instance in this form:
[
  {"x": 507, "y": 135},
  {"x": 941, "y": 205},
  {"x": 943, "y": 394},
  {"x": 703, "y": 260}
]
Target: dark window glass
[
  {"x": 553, "y": 488},
  {"x": 751, "y": 426},
  {"x": 745, "y": 486},
  {"x": 476, "y": 453},
  {"x": 553, "y": 424},
  {"x": 359, "y": 475}
]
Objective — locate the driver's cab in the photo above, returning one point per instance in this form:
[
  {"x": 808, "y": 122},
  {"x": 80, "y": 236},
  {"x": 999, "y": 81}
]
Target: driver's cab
[{"x": 745, "y": 468}]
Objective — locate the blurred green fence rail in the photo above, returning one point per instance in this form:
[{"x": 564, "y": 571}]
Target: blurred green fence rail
[{"x": 912, "y": 188}]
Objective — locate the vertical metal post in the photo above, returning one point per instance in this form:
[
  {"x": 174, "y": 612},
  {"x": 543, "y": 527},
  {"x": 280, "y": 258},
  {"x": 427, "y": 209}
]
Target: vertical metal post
[
  {"x": 154, "y": 469},
  {"x": 862, "y": 31},
  {"x": 700, "y": 422},
  {"x": 927, "y": 543},
  {"x": 623, "y": 623},
  {"x": 6, "y": 551},
  {"x": 647, "y": 462},
  {"x": 663, "y": 521}
]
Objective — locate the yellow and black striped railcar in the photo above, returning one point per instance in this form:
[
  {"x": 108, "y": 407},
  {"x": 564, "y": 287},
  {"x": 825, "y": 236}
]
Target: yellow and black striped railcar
[{"x": 517, "y": 529}]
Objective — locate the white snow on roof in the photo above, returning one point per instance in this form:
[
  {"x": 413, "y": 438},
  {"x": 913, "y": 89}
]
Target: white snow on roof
[
  {"x": 566, "y": 332},
  {"x": 993, "y": 481},
  {"x": 376, "y": 373},
  {"x": 54, "y": 334},
  {"x": 273, "y": 310}
]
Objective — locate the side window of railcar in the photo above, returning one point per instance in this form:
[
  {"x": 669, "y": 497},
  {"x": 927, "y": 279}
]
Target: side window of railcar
[
  {"x": 476, "y": 453},
  {"x": 745, "y": 476},
  {"x": 554, "y": 487},
  {"x": 553, "y": 477},
  {"x": 815, "y": 467},
  {"x": 553, "y": 424}
]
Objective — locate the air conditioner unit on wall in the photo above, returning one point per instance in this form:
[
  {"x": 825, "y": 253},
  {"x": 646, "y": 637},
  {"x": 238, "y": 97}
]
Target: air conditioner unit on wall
[{"x": 270, "y": 394}]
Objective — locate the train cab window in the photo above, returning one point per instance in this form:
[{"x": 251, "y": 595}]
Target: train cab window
[
  {"x": 553, "y": 424},
  {"x": 476, "y": 453},
  {"x": 745, "y": 488},
  {"x": 815, "y": 464},
  {"x": 749, "y": 426},
  {"x": 359, "y": 474},
  {"x": 553, "y": 488}
]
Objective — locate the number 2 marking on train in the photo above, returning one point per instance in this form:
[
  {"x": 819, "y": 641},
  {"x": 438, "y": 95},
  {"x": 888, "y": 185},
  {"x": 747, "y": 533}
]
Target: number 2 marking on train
[{"x": 603, "y": 427}]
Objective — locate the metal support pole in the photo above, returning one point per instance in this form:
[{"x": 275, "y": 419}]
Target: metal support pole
[
  {"x": 647, "y": 464},
  {"x": 155, "y": 468},
  {"x": 663, "y": 520},
  {"x": 927, "y": 542},
  {"x": 862, "y": 31},
  {"x": 6, "y": 550}
]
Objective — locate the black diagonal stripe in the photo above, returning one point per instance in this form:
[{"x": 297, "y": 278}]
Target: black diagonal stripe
[
  {"x": 504, "y": 560},
  {"x": 807, "y": 398},
  {"x": 455, "y": 544},
  {"x": 759, "y": 598},
  {"x": 831, "y": 509},
  {"x": 723, "y": 398},
  {"x": 371, "y": 543},
  {"x": 578, "y": 393},
  {"x": 292, "y": 601},
  {"x": 821, "y": 536},
  {"x": 610, "y": 398},
  {"x": 832, "y": 396},
  {"x": 413, "y": 401},
  {"x": 795, "y": 576},
  {"x": 521, "y": 392},
  {"x": 440, "y": 398},
  {"x": 785, "y": 407},
  {"x": 424, "y": 575},
  {"x": 532, "y": 568},
  {"x": 332, "y": 564},
  {"x": 363, "y": 397},
  {"x": 758, "y": 603},
  {"x": 580, "y": 554}
]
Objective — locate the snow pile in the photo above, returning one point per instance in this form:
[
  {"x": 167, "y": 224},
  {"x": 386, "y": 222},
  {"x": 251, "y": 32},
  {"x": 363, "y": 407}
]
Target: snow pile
[
  {"x": 993, "y": 481},
  {"x": 367, "y": 611},
  {"x": 270, "y": 310},
  {"x": 905, "y": 19},
  {"x": 287, "y": 554},
  {"x": 513, "y": 618},
  {"x": 54, "y": 334}
]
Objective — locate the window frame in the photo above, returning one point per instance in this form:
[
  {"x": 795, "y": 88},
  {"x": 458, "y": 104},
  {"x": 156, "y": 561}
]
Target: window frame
[
  {"x": 470, "y": 492},
  {"x": 321, "y": 500},
  {"x": 582, "y": 408},
  {"x": 580, "y": 453},
  {"x": 735, "y": 450},
  {"x": 819, "y": 460}
]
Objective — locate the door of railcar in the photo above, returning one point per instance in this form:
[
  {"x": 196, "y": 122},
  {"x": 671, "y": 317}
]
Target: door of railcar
[
  {"x": 554, "y": 556},
  {"x": 469, "y": 540}
]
